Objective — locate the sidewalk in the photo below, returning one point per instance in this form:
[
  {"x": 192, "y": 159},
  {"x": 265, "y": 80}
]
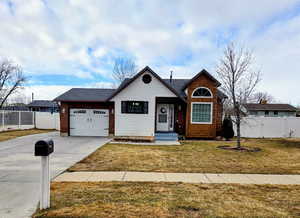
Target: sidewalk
[{"x": 178, "y": 177}]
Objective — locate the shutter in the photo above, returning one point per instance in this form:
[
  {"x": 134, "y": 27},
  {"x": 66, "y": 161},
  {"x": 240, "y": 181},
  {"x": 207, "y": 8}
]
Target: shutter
[
  {"x": 123, "y": 107},
  {"x": 145, "y": 107}
]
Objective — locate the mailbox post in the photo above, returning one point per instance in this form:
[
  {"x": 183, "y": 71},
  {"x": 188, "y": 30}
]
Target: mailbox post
[{"x": 44, "y": 148}]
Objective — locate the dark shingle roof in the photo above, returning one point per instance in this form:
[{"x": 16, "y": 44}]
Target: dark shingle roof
[
  {"x": 42, "y": 103},
  {"x": 86, "y": 95},
  {"x": 275, "y": 107}
]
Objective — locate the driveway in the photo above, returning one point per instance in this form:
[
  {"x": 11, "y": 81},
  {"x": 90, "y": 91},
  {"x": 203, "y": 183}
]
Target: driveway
[{"x": 20, "y": 169}]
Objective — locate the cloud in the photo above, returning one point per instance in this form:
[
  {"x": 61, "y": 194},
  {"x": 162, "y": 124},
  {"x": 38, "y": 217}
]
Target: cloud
[{"x": 81, "y": 38}]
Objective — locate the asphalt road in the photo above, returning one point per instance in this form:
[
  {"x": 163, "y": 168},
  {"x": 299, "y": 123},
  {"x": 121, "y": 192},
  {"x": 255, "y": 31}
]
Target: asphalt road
[{"x": 20, "y": 169}]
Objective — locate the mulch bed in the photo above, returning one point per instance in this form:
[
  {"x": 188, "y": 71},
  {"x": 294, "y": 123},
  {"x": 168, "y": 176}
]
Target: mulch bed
[{"x": 242, "y": 149}]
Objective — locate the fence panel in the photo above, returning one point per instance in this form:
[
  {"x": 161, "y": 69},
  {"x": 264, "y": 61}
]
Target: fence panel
[
  {"x": 27, "y": 118},
  {"x": 47, "y": 120},
  {"x": 10, "y": 120},
  {"x": 270, "y": 127}
]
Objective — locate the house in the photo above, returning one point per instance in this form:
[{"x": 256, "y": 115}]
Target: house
[
  {"x": 144, "y": 106},
  {"x": 270, "y": 110},
  {"x": 43, "y": 106},
  {"x": 16, "y": 107}
]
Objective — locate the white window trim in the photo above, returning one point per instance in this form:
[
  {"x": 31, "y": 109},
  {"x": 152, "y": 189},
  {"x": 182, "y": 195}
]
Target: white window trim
[
  {"x": 211, "y": 94},
  {"x": 211, "y": 112}
]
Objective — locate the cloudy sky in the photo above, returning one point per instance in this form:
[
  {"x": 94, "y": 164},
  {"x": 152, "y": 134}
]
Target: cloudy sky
[{"x": 72, "y": 43}]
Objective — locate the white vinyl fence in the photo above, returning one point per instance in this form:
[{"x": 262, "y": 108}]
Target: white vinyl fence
[
  {"x": 13, "y": 120},
  {"x": 270, "y": 127}
]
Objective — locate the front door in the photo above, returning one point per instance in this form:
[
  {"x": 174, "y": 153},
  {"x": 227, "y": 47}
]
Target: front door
[{"x": 165, "y": 117}]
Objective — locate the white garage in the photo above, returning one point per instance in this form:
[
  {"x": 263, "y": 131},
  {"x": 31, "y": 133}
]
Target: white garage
[{"x": 89, "y": 122}]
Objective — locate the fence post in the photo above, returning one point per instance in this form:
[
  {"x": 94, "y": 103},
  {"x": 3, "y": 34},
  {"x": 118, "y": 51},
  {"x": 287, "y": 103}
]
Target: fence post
[{"x": 19, "y": 119}]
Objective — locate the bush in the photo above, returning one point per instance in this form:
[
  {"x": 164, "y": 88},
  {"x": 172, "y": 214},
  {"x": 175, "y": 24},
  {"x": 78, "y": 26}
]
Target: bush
[{"x": 227, "y": 128}]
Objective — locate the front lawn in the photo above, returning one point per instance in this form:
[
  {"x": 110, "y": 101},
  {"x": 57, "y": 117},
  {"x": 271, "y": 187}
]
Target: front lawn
[
  {"x": 278, "y": 156},
  {"x": 115, "y": 199},
  {"x": 11, "y": 134}
]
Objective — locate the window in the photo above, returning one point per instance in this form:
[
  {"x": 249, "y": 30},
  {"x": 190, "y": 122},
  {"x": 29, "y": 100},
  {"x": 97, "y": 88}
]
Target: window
[
  {"x": 201, "y": 113},
  {"x": 202, "y": 92},
  {"x": 162, "y": 118},
  {"x": 134, "y": 107},
  {"x": 99, "y": 112},
  {"x": 146, "y": 78},
  {"x": 80, "y": 112},
  {"x": 266, "y": 113},
  {"x": 276, "y": 113}
]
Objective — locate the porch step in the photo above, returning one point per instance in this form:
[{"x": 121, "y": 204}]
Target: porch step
[{"x": 172, "y": 136}]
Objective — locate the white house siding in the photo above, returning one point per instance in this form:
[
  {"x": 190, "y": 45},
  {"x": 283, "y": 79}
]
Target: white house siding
[{"x": 139, "y": 124}]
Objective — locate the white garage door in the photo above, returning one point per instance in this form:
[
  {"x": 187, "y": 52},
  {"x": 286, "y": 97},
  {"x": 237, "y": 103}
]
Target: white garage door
[{"x": 89, "y": 122}]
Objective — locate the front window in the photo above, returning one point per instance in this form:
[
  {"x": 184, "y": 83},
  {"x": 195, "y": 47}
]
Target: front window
[
  {"x": 134, "y": 107},
  {"x": 266, "y": 113},
  {"x": 201, "y": 113}
]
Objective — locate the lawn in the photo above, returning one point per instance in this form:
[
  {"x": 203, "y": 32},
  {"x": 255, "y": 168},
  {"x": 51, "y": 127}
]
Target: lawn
[
  {"x": 278, "y": 156},
  {"x": 17, "y": 133},
  {"x": 115, "y": 199}
]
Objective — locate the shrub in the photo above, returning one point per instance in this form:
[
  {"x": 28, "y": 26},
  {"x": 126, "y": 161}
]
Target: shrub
[{"x": 227, "y": 128}]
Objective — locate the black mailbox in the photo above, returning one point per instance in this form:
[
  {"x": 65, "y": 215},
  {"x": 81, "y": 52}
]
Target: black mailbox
[{"x": 44, "y": 147}]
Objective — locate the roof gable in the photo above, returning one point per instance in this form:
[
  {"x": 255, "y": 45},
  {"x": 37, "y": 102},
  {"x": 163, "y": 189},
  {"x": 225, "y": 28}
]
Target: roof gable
[
  {"x": 202, "y": 72},
  {"x": 127, "y": 82}
]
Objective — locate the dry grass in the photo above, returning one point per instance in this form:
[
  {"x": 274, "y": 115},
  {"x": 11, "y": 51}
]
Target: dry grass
[
  {"x": 17, "y": 133},
  {"x": 114, "y": 199},
  {"x": 278, "y": 156}
]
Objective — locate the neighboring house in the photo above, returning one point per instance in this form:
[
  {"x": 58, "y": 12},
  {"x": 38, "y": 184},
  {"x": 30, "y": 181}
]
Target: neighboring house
[
  {"x": 270, "y": 110},
  {"x": 144, "y": 106},
  {"x": 20, "y": 107},
  {"x": 44, "y": 106}
]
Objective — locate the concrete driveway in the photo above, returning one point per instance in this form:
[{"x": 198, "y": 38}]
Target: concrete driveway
[{"x": 19, "y": 168}]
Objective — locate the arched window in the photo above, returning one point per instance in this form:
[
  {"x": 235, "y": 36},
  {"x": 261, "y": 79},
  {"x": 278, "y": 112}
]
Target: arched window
[{"x": 202, "y": 92}]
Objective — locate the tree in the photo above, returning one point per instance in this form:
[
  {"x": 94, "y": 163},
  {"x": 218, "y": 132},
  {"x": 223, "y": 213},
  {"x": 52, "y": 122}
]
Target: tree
[
  {"x": 239, "y": 80},
  {"x": 258, "y": 97},
  {"x": 11, "y": 80},
  {"x": 227, "y": 128},
  {"x": 123, "y": 68}
]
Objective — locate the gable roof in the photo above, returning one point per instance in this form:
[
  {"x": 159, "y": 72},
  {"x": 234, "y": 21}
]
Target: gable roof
[
  {"x": 86, "y": 95},
  {"x": 203, "y": 72},
  {"x": 264, "y": 107},
  {"x": 42, "y": 103},
  {"x": 126, "y": 83},
  {"x": 176, "y": 86}
]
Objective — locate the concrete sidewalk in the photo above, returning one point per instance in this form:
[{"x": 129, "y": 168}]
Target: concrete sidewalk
[{"x": 178, "y": 177}]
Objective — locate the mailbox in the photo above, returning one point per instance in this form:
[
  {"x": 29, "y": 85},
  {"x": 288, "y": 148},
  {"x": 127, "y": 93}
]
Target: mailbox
[{"x": 44, "y": 147}]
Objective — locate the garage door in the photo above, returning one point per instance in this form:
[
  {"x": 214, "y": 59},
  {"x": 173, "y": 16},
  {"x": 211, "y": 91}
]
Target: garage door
[{"x": 89, "y": 122}]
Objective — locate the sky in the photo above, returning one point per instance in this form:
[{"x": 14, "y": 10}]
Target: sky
[{"x": 62, "y": 44}]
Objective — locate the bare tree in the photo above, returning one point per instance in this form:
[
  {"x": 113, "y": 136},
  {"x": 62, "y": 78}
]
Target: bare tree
[
  {"x": 258, "y": 97},
  {"x": 11, "y": 80},
  {"x": 239, "y": 80},
  {"x": 124, "y": 68}
]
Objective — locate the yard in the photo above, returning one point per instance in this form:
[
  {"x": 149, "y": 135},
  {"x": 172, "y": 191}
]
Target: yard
[
  {"x": 113, "y": 199},
  {"x": 17, "y": 133},
  {"x": 278, "y": 156}
]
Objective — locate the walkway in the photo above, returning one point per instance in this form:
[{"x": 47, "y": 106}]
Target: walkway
[{"x": 178, "y": 177}]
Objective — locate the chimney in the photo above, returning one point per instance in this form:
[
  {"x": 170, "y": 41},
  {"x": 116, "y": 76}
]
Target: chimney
[{"x": 171, "y": 76}]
